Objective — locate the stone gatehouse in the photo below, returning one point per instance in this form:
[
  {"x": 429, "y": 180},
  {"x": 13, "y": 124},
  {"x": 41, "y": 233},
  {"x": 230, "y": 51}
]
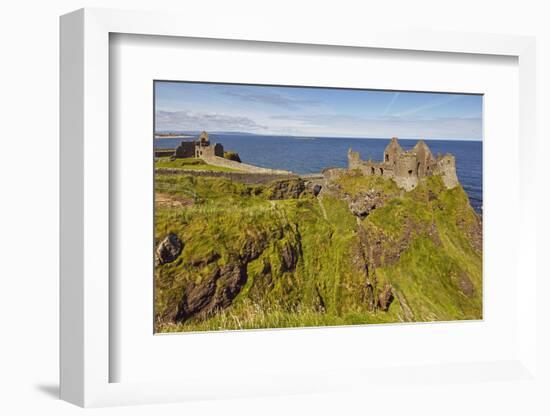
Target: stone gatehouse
[{"x": 201, "y": 148}]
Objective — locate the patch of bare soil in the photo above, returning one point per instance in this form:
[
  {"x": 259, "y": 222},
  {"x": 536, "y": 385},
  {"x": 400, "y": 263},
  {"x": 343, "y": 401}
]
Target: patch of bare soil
[{"x": 171, "y": 201}]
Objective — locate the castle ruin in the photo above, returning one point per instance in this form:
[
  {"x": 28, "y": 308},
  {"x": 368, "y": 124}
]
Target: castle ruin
[
  {"x": 201, "y": 148},
  {"x": 213, "y": 154},
  {"x": 406, "y": 168}
]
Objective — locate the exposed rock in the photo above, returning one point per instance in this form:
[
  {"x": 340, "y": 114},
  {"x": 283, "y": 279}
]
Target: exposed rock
[
  {"x": 474, "y": 230},
  {"x": 286, "y": 189},
  {"x": 232, "y": 156},
  {"x": 321, "y": 307},
  {"x": 168, "y": 250},
  {"x": 197, "y": 298},
  {"x": 216, "y": 292},
  {"x": 224, "y": 283},
  {"x": 407, "y": 311},
  {"x": 360, "y": 266},
  {"x": 316, "y": 189},
  {"x": 333, "y": 174},
  {"x": 434, "y": 234},
  {"x": 172, "y": 201},
  {"x": 465, "y": 285},
  {"x": 231, "y": 281},
  {"x": 385, "y": 297},
  {"x": 369, "y": 297},
  {"x": 289, "y": 258},
  {"x": 381, "y": 249},
  {"x": 252, "y": 249},
  {"x": 362, "y": 204}
]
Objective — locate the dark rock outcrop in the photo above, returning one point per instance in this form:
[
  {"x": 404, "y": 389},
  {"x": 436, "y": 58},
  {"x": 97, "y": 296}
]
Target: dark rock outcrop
[
  {"x": 216, "y": 292},
  {"x": 168, "y": 249},
  {"x": 385, "y": 297},
  {"x": 363, "y": 203},
  {"x": 223, "y": 283},
  {"x": 360, "y": 265},
  {"x": 316, "y": 189},
  {"x": 197, "y": 297},
  {"x": 286, "y": 189},
  {"x": 289, "y": 258},
  {"x": 234, "y": 156},
  {"x": 321, "y": 307}
]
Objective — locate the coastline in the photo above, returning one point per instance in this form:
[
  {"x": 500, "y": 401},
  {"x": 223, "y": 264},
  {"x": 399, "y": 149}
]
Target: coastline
[{"x": 179, "y": 136}]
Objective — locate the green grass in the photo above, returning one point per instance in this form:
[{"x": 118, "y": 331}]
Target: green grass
[
  {"x": 252, "y": 316},
  {"x": 324, "y": 288},
  {"x": 190, "y": 164},
  {"x": 355, "y": 182},
  {"x": 428, "y": 271}
]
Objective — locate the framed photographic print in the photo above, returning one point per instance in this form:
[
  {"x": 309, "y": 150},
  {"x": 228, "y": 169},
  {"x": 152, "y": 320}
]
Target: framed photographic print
[
  {"x": 275, "y": 217},
  {"x": 274, "y": 213}
]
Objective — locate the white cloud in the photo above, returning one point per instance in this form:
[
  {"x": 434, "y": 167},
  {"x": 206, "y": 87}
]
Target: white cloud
[
  {"x": 188, "y": 120},
  {"x": 413, "y": 127},
  {"x": 271, "y": 98},
  {"x": 390, "y": 104}
]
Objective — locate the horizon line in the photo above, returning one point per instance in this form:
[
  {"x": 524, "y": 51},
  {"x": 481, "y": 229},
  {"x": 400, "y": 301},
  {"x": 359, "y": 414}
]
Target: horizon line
[{"x": 329, "y": 137}]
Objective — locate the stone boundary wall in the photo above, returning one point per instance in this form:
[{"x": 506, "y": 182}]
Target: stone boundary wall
[
  {"x": 250, "y": 178},
  {"x": 226, "y": 163},
  {"x": 164, "y": 152}
]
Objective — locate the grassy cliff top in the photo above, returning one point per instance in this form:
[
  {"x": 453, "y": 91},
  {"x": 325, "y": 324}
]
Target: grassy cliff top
[
  {"x": 190, "y": 164},
  {"x": 307, "y": 261}
]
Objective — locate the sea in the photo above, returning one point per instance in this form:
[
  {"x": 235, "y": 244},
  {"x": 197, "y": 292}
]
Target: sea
[{"x": 307, "y": 155}]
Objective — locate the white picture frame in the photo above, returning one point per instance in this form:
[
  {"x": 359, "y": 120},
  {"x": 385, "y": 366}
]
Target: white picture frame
[{"x": 85, "y": 205}]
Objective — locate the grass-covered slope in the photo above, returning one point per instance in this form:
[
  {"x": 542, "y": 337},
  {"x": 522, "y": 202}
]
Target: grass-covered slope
[
  {"x": 189, "y": 164},
  {"x": 248, "y": 260}
]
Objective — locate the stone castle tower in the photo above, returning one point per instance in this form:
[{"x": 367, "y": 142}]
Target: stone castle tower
[{"x": 406, "y": 168}]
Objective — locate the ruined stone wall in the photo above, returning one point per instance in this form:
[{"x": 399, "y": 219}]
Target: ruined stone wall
[
  {"x": 392, "y": 152},
  {"x": 354, "y": 161},
  {"x": 243, "y": 177},
  {"x": 185, "y": 149},
  {"x": 369, "y": 167},
  {"x": 332, "y": 174},
  {"x": 424, "y": 160},
  {"x": 208, "y": 151},
  {"x": 222, "y": 162},
  {"x": 218, "y": 150},
  {"x": 446, "y": 167},
  {"x": 407, "y": 168},
  {"x": 164, "y": 152}
]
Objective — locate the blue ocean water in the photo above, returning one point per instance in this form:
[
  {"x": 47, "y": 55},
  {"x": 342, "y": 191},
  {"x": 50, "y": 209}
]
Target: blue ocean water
[{"x": 311, "y": 155}]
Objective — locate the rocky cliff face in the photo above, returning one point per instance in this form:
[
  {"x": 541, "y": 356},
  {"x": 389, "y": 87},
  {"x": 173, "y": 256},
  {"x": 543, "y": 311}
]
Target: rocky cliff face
[{"x": 355, "y": 250}]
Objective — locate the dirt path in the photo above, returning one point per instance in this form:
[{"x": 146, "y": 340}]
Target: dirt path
[
  {"x": 323, "y": 210},
  {"x": 171, "y": 201}
]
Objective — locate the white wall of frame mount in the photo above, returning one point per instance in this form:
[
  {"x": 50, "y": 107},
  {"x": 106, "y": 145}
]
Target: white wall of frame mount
[{"x": 108, "y": 61}]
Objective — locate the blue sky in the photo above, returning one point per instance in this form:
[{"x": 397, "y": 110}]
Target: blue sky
[{"x": 316, "y": 111}]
